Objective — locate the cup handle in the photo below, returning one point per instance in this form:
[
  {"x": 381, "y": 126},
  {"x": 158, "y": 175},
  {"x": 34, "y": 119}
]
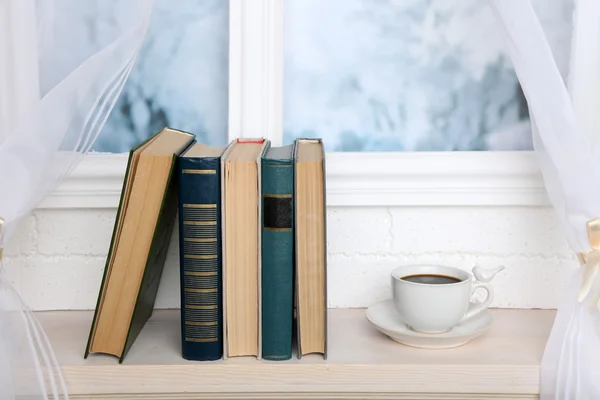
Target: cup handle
[{"x": 484, "y": 304}]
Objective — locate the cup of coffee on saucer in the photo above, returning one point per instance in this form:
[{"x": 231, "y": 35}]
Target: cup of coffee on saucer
[{"x": 431, "y": 305}]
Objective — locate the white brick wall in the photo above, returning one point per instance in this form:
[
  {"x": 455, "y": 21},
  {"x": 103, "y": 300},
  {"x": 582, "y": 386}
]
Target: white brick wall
[{"x": 57, "y": 257}]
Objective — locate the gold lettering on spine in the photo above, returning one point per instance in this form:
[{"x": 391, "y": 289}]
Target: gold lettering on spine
[
  {"x": 200, "y": 171},
  {"x": 200, "y": 270}
]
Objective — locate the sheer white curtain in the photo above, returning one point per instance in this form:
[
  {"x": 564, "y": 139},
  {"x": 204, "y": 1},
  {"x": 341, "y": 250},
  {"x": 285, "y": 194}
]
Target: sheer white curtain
[
  {"x": 570, "y": 164},
  {"x": 55, "y": 96}
]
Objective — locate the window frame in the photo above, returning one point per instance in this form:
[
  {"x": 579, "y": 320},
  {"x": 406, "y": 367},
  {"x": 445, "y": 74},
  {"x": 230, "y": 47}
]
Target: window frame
[
  {"x": 256, "y": 62},
  {"x": 381, "y": 179},
  {"x": 256, "y": 70}
]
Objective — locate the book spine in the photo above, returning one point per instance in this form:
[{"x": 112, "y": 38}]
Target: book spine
[
  {"x": 277, "y": 259},
  {"x": 200, "y": 258}
]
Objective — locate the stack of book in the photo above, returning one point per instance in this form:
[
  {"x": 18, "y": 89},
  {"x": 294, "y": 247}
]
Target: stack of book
[{"x": 252, "y": 241}]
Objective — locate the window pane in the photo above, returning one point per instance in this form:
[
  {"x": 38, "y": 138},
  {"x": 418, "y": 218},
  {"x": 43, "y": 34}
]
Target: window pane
[
  {"x": 180, "y": 77},
  {"x": 412, "y": 75}
]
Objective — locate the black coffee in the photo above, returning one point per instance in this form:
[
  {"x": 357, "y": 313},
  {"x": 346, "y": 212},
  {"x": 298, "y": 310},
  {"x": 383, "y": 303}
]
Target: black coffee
[{"x": 431, "y": 279}]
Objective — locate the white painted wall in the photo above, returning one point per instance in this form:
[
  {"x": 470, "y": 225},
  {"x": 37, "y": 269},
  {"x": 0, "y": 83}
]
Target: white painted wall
[{"x": 57, "y": 258}]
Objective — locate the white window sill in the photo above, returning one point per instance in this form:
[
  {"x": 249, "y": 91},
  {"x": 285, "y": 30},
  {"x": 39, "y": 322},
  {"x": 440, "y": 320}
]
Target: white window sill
[
  {"x": 360, "y": 179},
  {"x": 362, "y": 363}
]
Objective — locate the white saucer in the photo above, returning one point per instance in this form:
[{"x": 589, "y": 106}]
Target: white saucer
[{"x": 385, "y": 318}]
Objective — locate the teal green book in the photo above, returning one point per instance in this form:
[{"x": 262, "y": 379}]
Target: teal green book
[{"x": 277, "y": 252}]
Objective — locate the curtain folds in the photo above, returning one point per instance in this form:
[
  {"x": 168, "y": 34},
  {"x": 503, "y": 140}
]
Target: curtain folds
[
  {"x": 570, "y": 165},
  {"x": 56, "y": 92}
]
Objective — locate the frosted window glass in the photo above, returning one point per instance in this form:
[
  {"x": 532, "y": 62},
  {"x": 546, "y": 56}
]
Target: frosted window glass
[
  {"x": 179, "y": 80},
  {"x": 408, "y": 75}
]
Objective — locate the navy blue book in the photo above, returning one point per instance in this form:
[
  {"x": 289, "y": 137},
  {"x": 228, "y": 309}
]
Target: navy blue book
[{"x": 199, "y": 173}]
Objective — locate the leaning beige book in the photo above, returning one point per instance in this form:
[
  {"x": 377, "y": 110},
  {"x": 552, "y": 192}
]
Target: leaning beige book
[{"x": 138, "y": 247}]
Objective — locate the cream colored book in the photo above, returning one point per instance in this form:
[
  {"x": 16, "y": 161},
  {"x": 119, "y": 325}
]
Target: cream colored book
[
  {"x": 311, "y": 250},
  {"x": 241, "y": 238}
]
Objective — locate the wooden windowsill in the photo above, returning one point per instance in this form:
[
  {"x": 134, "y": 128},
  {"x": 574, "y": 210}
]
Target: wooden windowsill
[{"x": 362, "y": 363}]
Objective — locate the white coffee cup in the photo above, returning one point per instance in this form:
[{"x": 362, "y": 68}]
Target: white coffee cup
[{"x": 434, "y": 298}]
